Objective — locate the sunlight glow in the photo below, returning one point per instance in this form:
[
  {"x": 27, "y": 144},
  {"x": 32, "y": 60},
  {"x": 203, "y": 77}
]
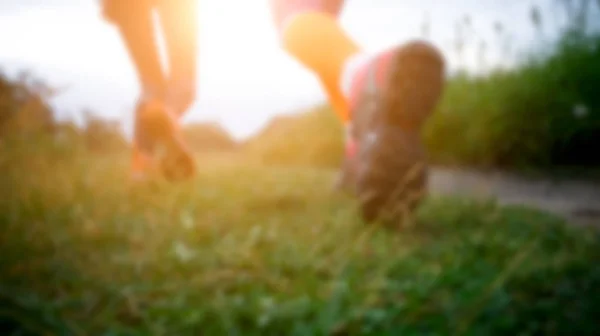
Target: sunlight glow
[{"x": 244, "y": 77}]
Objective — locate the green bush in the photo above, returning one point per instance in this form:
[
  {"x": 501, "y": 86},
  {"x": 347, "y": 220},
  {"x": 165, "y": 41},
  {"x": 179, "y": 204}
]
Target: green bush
[
  {"x": 543, "y": 113},
  {"x": 23, "y": 106},
  {"x": 103, "y": 136},
  {"x": 313, "y": 138},
  {"x": 208, "y": 137}
]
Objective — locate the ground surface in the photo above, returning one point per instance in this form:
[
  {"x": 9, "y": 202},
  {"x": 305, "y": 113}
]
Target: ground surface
[
  {"x": 577, "y": 200},
  {"x": 246, "y": 249}
]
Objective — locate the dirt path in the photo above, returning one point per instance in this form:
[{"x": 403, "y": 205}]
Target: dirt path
[{"x": 576, "y": 200}]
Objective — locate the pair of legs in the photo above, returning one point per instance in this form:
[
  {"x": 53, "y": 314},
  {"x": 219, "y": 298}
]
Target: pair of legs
[
  {"x": 383, "y": 99},
  {"x": 308, "y": 29}
]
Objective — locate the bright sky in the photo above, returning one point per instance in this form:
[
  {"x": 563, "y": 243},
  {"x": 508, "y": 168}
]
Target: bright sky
[{"x": 245, "y": 78}]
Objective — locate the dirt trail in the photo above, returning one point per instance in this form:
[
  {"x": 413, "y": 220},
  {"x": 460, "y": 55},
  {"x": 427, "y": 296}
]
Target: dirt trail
[{"x": 576, "y": 200}]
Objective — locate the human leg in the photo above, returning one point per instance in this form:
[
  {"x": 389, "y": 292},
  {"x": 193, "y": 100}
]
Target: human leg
[
  {"x": 156, "y": 140},
  {"x": 383, "y": 99},
  {"x": 179, "y": 21}
]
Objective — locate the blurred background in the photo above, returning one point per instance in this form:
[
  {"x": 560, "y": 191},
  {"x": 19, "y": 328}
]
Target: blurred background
[
  {"x": 522, "y": 73},
  {"x": 256, "y": 244}
]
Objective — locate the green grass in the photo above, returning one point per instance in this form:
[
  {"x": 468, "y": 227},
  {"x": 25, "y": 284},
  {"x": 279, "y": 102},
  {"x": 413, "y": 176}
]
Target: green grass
[{"x": 246, "y": 249}]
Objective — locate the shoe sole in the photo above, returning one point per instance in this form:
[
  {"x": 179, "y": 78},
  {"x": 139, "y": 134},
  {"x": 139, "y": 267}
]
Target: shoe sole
[
  {"x": 175, "y": 161},
  {"x": 392, "y": 172}
]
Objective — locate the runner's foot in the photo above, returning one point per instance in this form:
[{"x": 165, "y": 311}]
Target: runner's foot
[
  {"x": 159, "y": 144},
  {"x": 391, "y": 98}
]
